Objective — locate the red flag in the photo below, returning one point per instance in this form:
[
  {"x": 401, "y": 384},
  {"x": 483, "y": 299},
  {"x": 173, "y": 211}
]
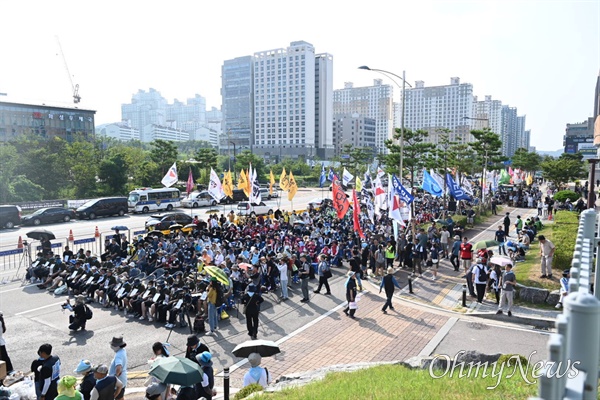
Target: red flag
[
  {"x": 190, "y": 183},
  {"x": 340, "y": 201},
  {"x": 355, "y": 212}
]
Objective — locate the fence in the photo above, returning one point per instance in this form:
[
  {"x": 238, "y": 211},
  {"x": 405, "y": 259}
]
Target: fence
[
  {"x": 577, "y": 338},
  {"x": 19, "y": 258}
]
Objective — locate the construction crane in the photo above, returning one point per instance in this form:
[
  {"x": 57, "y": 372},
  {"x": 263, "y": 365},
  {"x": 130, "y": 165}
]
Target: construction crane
[{"x": 75, "y": 87}]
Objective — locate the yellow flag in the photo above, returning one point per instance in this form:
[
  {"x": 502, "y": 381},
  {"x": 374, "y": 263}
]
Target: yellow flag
[
  {"x": 228, "y": 184},
  {"x": 529, "y": 179},
  {"x": 292, "y": 187},
  {"x": 358, "y": 184},
  {"x": 242, "y": 181},
  {"x": 284, "y": 180},
  {"x": 272, "y": 181}
]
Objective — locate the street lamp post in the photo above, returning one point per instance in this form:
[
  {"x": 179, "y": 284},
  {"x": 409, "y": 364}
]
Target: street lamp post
[
  {"x": 403, "y": 88},
  {"x": 234, "y": 157}
]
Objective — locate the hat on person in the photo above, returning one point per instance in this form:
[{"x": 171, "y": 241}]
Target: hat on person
[
  {"x": 155, "y": 389},
  {"x": 80, "y": 299},
  {"x": 204, "y": 358},
  {"x": 66, "y": 385},
  {"x": 456, "y": 237},
  {"x": 390, "y": 271},
  {"x": 192, "y": 340},
  {"x": 479, "y": 260},
  {"x": 83, "y": 367},
  {"x": 131, "y": 264},
  {"x": 101, "y": 369},
  {"x": 213, "y": 279},
  {"x": 566, "y": 272},
  {"x": 254, "y": 359},
  {"x": 251, "y": 288},
  {"x": 118, "y": 341}
]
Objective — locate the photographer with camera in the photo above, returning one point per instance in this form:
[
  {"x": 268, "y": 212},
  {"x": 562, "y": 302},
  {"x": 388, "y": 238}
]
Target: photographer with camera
[{"x": 80, "y": 315}]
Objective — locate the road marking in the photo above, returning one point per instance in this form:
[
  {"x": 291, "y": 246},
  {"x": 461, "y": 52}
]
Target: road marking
[
  {"x": 40, "y": 308},
  {"x": 437, "y": 339},
  {"x": 18, "y": 288}
]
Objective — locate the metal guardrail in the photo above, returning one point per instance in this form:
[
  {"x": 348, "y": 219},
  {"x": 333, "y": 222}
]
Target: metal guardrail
[{"x": 577, "y": 338}]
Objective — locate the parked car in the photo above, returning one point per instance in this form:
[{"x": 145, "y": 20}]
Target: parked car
[
  {"x": 238, "y": 195},
  {"x": 264, "y": 193},
  {"x": 198, "y": 199},
  {"x": 103, "y": 208},
  {"x": 247, "y": 209},
  {"x": 10, "y": 216},
  {"x": 161, "y": 222},
  {"x": 48, "y": 216}
]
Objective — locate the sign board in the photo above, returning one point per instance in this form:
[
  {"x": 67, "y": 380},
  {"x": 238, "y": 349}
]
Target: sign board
[
  {"x": 139, "y": 232},
  {"x": 10, "y": 252},
  {"x": 81, "y": 241}
]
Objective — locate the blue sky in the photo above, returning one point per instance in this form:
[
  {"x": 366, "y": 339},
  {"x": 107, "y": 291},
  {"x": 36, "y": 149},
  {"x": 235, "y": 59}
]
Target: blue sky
[{"x": 540, "y": 56}]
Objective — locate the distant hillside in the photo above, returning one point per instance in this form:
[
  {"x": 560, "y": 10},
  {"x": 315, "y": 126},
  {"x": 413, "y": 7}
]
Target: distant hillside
[{"x": 555, "y": 153}]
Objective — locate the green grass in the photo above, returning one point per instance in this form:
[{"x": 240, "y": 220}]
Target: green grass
[
  {"x": 397, "y": 382},
  {"x": 562, "y": 232}
]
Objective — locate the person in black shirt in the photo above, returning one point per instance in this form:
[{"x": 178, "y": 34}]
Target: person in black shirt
[
  {"x": 88, "y": 381},
  {"x": 46, "y": 371},
  {"x": 500, "y": 238},
  {"x": 194, "y": 347},
  {"x": 251, "y": 301},
  {"x": 78, "y": 320}
]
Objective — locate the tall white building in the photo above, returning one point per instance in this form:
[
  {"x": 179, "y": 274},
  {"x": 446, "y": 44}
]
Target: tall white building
[
  {"x": 145, "y": 108},
  {"x": 509, "y": 130},
  {"x": 193, "y": 112},
  {"x": 439, "y": 107},
  {"x": 153, "y": 132},
  {"x": 489, "y": 115},
  {"x": 374, "y": 102},
  {"x": 293, "y": 102}
]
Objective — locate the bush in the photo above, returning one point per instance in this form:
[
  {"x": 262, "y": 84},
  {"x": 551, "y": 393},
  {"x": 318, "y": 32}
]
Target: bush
[
  {"x": 247, "y": 391},
  {"x": 510, "y": 360},
  {"x": 563, "y": 195},
  {"x": 460, "y": 220},
  {"x": 564, "y": 235}
]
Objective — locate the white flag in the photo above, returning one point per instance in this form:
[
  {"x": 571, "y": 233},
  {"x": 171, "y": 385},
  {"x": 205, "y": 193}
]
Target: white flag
[
  {"x": 436, "y": 177},
  {"x": 171, "y": 177},
  {"x": 214, "y": 187},
  {"x": 347, "y": 177},
  {"x": 255, "y": 196},
  {"x": 380, "y": 173},
  {"x": 393, "y": 203},
  {"x": 466, "y": 186},
  {"x": 380, "y": 196}
]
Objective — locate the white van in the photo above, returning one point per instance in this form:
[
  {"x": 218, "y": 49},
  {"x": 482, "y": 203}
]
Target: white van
[{"x": 198, "y": 199}]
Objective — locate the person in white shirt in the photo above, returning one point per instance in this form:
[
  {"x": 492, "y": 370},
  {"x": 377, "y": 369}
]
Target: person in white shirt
[
  {"x": 283, "y": 277},
  {"x": 444, "y": 237},
  {"x": 256, "y": 374},
  {"x": 564, "y": 287},
  {"x": 480, "y": 279}
]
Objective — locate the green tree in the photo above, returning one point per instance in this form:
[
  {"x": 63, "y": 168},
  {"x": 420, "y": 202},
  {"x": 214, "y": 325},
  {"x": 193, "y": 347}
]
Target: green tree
[
  {"x": 525, "y": 160},
  {"x": 487, "y": 147},
  {"x": 207, "y": 158},
  {"x": 562, "y": 170},
  {"x": 8, "y": 164},
  {"x": 415, "y": 152},
  {"x": 82, "y": 168},
  {"x": 22, "y": 189},
  {"x": 245, "y": 158},
  {"x": 112, "y": 175},
  {"x": 163, "y": 154}
]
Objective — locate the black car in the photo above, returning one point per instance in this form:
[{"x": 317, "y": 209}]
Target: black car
[
  {"x": 161, "y": 222},
  {"x": 48, "y": 216},
  {"x": 104, "y": 207},
  {"x": 10, "y": 216}
]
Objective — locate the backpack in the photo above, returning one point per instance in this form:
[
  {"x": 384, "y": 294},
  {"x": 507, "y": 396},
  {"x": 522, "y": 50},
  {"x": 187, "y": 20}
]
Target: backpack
[
  {"x": 89, "y": 314},
  {"x": 483, "y": 275},
  {"x": 220, "y": 298},
  {"x": 379, "y": 258}
]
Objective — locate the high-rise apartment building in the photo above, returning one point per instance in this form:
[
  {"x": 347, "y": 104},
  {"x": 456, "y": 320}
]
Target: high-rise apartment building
[
  {"x": 237, "y": 97},
  {"x": 519, "y": 142},
  {"x": 291, "y": 101},
  {"x": 120, "y": 131},
  {"x": 487, "y": 114},
  {"x": 439, "y": 107},
  {"x": 145, "y": 108},
  {"x": 375, "y": 102},
  {"x": 354, "y": 130},
  {"x": 509, "y": 130},
  {"x": 192, "y": 113}
]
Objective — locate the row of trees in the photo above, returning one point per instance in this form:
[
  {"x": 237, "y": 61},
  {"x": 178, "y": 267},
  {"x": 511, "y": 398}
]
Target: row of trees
[{"x": 34, "y": 169}]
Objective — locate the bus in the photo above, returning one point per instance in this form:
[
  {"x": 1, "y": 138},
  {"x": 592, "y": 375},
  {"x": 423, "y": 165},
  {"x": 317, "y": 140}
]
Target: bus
[{"x": 145, "y": 200}]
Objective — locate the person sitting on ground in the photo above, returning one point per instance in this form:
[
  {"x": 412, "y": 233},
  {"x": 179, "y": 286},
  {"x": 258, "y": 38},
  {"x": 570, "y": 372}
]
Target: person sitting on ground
[{"x": 256, "y": 374}]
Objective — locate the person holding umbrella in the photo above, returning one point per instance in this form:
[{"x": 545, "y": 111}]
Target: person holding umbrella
[
  {"x": 256, "y": 374},
  {"x": 251, "y": 301}
]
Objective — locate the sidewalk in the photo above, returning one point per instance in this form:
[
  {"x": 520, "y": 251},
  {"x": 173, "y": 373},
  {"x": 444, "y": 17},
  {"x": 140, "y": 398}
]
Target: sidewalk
[{"x": 446, "y": 291}]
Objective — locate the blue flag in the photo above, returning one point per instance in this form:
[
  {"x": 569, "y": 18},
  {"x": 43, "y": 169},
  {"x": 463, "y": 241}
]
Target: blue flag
[
  {"x": 323, "y": 176},
  {"x": 401, "y": 191},
  {"x": 455, "y": 190},
  {"x": 330, "y": 175},
  {"x": 430, "y": 185}
]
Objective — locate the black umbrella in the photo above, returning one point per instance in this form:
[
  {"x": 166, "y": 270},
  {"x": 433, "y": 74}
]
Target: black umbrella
[
  {"x": 119, "y": 228},
  {"x": 39, "y": 234},
  {"x": 175, "y": 227},
  {"x": 265, "y": 348}
]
